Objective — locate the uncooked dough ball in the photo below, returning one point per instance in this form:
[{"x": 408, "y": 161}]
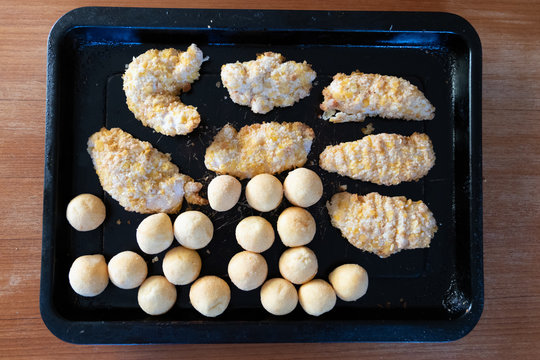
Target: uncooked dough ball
[
  {"x": 127, "y": 270},
  {"x": 88, "y": 275},
  {"x": 156, "y": 295},
  {"x": 279, "y": 296},
  {"x": 210, "y": 295},
  {"x": 255, "y": 233},
  {"x": 155, "y": 233},
  {"x": 85, "y": 212},
  {"x": 296, "y": 227},
  {"x": 317, "y": 297},
  {"x": 350, "y": 281},
  {"x": 247, "y": 270},
  {"x": 224, "y": 192},
  {"x": 181, "y": 265},
  {"x": 193, "y": 229},
  {"x": 303, "y": 187},
  {"x": 264, "y": 192},
  {"x": 298, "y": 265}
]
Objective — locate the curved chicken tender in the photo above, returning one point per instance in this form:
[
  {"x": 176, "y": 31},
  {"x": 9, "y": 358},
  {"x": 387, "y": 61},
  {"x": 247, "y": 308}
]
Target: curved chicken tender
[
  {"x": 267, "y": 82},
  {"x": 380, "y": 224},
  {"x": 259, "y": 148},
  {"x": 138, "y": 176},
  {"x": 359, "y": 95},
  {"x": 384, "y": 159},
  {"x": 152, "y": 83}
]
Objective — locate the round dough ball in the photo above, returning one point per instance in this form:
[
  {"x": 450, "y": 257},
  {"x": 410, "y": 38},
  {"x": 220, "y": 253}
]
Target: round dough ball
[
  {"x": 193, "y": 229},
  {"x": 298, "y": 265},
  {"x": 181, "y": 265},
  {"x": 85, "y": 212},
  {"x": 317, "y": 297},
  {"x": 303, "y": 187},
  {"x": 255, "y": 234},
  {"x": 264, "y": 192},
  {"x": 350, "y": 281},
  {"x": 127, "y": 270},
  {"x": 88, "y": 275},
  {"x": 224, "y": 192},
  {"x": 210, "y": 295},
  {"x": 156, "y": 295},
  {"x": 155, "y": 233},
  {"x": 279, "y": 296},
  {"x": 247, "y": 270},
  {"x": 296, "y": 227}
]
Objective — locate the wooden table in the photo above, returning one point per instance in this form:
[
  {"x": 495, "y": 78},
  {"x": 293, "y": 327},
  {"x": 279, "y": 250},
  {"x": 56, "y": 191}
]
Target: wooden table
[{"x": 510, "y": 324}]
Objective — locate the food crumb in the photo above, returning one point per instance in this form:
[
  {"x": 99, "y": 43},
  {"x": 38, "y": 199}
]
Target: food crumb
[
  {"x": 343, "y": 187},
  {"x": 129, "y": 222},
  {"x": 207, "y": 251},
  {"x": 218, "y": 84},
  {"x": 225, "y": 97},
  {"x": 368, "y": 129},
  {"x": 155, "y": 259},
  {"x": 118, "y": 222}
]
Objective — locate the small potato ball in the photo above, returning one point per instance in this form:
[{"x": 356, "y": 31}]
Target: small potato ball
[
  {"x": 210, "y": 295},
  {"x": 85, "y": 212},
  {"x": 350, "y": 281},
  {"x": 264, "y": 192},
  {"x": 255, "y": 234},
  {"x": 298, "y": 265},
  {"x": 296, "y": 227},
  {"x": 224, "y": 192},
  {"x": 181, "y": 265},
  {"x": 279, "y": 296},
  {"x": 303, "y": 187},
  {"x": 317, "y": 297},
  {"x": 156, "y": 295},
  {"x": 247, "y": 270},
  {"x": 88, "y": 275},
  {"x": 127, "y": 270},
  {"x": 193, "y": 229},
  {"x": 155, "y": 233}
]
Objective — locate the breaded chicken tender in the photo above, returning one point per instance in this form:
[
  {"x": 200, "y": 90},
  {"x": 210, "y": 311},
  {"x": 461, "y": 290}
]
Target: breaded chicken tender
[
  {"x": 138, "y": 176},
  {"x": 356, "y": 96},
  {"x": 380, "y": 224},
  {"x": 267, "y": 82},
  {"x": 384, "y": 159},
  {"x": 259, "y": 148},
  {"x": 153, "y": 82}
]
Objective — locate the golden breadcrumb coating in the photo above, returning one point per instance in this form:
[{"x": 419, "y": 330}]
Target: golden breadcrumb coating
[
  {"x": 267, "y": 82},
  {"x": 380, "y": 224},
  {"x": 353, "y": 97},
  {"x": 138, "y": 176},
  {"x": 384, "y": 159},
  {"x": 259, "y": 148}
]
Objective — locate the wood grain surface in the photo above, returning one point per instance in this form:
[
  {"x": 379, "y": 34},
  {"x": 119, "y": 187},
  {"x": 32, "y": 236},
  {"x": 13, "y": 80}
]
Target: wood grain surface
[{"x": 510, "y": 325}]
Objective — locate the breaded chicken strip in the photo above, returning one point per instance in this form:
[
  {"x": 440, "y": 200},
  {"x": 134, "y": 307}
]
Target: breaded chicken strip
[
  {"x": 267, "y": 82},
  {"x": 380, "y": 224},
  {"x": 359, "y": 95},
  {"x": 153, "y": 82},
  {"x": 259, "y": 148},
  {"x": 138, "y": 176},
  {"x": 384, "y": 159}
]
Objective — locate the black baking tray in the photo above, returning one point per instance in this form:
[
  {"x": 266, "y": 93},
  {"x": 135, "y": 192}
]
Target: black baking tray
[{"x": 433, "y": 294}]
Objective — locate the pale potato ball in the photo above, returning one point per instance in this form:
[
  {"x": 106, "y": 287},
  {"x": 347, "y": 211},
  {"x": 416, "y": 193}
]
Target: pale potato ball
[
  {"x": 264, "y": 192},
  {"x": 279, "y": 296},
  {"x": 224, "y": 192},
  {"x": 181, "y": 265},
  {"x": 298, "y": 264},
  {"x": 155, "y": 233},
  {"x": 303, "y": 187},
  {"x": 247, "y": 270},
  {"x": 88, "y": 275},
  {"x": 127, "y": 270},
  {"x": 193, "y": 229},
  {"x": 255, "y": 234},
  {"x": 317, "y": 297},
  {"x": 296, "y": 227},
  {"x": 156, "y": 295},
  {"x": 85, "y": 212},
  {"x": 210, "y": 295},
  {"x": 350, "y": 281}
]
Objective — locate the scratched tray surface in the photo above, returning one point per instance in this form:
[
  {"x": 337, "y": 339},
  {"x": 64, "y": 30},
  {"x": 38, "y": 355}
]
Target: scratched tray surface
[{"x": 430, "y": 294}]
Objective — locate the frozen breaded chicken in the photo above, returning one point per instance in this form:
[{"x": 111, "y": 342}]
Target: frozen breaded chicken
[
  {"x": 138, "y": 176},
  {"x": 356, "y": 96},
  {"x": 380, "y": 224},
  {"x": 259, "y": 148},
  {"x": 153, "y": 82},
  {"x": 267, "y": 82},
  {"x": 384, "y": 159}
]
